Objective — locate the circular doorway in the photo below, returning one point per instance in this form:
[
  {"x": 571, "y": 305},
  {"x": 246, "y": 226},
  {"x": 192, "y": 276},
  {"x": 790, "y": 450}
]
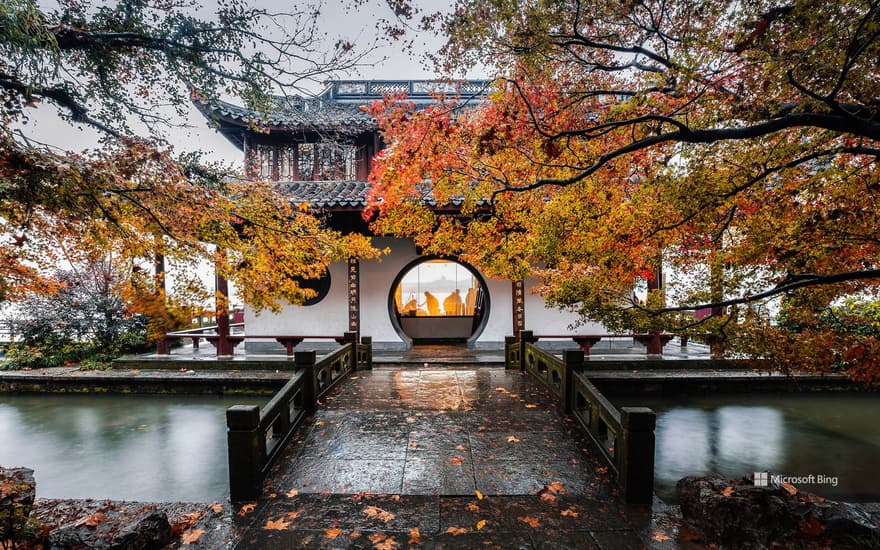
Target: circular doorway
[{"x": 436, "y": 300}]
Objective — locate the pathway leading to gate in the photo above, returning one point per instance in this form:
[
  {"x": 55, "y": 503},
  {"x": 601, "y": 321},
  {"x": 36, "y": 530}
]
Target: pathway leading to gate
[{"x": 440, "y": 458}]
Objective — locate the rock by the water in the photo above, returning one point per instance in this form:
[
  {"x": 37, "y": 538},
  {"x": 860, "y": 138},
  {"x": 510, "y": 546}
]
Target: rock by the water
[
  {"x": 17, "y": 492},
  {"x": 738, "y": 514},
  {"x": 150, "y": 531},
  {"x": 147, "y": 532}
]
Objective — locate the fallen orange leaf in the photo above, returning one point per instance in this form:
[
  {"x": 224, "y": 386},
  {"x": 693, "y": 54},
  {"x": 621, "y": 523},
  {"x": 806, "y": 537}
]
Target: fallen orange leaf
[
  {"x": 481, "y": 524},
  {"x": 455, "y": 531},
  {"x": 789, "y": 488},
  {"x": 531, "y": 406},
  {"x": 529, "y": 521},
  {"x": 457, "y": 460},
  {"x": 247, "y": 509},
  {"x": 727, "y": 491},
  {"x": 569, "y": 512},
  {"x": 96, "y": 518},
  {"x": 473, "y": 507},
  {"x": 332, "y": 533},
  {"x": 660, "y": 536},
  {"x": 192, "y": 536},
  {"x": 479, "y": 495},
  {"x": 387, "y": 544},
  {"x": 277, "y": 525},
  {"x": 292, "y": 493},
  {"x": 557, "y": 487},
  {"x": 512, "y": 439},
  {"x": 378, "y": 513},
  {"x": 294, "y": 515},
  {"x": 414, "y": 536}
]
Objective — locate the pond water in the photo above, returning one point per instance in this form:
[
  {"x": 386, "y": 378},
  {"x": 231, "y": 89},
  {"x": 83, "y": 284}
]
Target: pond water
[
  {"x": 830, "y": 442},
  {"x": 123, "y": 447}
]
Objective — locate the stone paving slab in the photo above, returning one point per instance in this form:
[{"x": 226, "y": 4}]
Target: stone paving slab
[{"x": 440, "y": 458}]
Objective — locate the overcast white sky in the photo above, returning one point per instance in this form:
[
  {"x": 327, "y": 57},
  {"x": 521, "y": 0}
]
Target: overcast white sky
[{"x": 339, "y": 19}]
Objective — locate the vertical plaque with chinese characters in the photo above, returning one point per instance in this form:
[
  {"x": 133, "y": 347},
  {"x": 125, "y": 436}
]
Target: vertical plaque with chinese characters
[
  {"x": 519, "y": 307},
  {"x": 354, "y": 295}
]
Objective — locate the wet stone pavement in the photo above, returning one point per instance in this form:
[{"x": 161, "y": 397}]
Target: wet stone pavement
[{"x": 441, "y": 458}]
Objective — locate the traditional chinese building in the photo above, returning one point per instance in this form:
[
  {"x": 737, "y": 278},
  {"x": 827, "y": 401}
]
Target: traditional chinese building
[{"x": 319, "y": 151}]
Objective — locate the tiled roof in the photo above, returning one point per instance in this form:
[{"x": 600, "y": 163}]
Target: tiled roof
[
  {"x": 338, "y": 109},
  {"x": 342, "y": 194},
  {"x": 298, "y": 114},
  {"x": 327, "y": 194}
]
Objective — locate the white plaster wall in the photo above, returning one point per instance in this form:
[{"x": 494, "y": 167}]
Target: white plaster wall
[
  {"x": 542, "y": 319},
  {"x": 327, "y": 317},
  {"x": 500, "y": 322},
  {"x": 330, "y": 315}
]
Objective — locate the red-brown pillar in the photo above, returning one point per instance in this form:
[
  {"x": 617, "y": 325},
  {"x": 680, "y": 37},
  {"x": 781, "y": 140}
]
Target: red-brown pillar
[
  {"x": 163, "y": 346},
  {"x": 221, "y": 297}
]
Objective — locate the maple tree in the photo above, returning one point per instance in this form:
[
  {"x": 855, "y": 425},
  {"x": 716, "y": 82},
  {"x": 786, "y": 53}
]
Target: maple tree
[
  {"x": 129, "y": 69},
  {"x": 732, "y": 145}
]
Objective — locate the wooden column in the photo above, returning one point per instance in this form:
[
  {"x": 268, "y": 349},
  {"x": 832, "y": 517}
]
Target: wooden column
[
  {"x": 519, "y": 306},
  {"x": 354, "y": 295},
  {"x": 163, "y": 346},
  {"x": 294, "y": 162},
  {"x": 274, "y": 154},
  {"x": 221, "y": 299},
  {"x": 159, "y": 270},
  {"x": 716, "y": 294},
  {"x": 654, "y": 346}
]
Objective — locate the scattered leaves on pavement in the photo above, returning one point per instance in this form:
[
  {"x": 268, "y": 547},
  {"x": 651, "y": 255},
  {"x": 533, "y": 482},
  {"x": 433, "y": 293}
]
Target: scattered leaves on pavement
[
  {"x": 191, "y": 536},
  {"x": 277, "y": 525},
  {"x": 529, "y": 521}
]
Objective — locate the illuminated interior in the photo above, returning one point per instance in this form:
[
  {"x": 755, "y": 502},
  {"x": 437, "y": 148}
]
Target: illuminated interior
[{"x": 439, "y": 300}]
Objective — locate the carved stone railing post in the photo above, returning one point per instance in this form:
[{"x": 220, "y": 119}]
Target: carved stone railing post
[
  {"x": 636, "y": 458},
  {"x": 305, "y": 361},
  {"x": 367, "y": 350},
  {"x": 509, "y": 363},
  {"x": 247, "y": 452},
  {"x": 525, "y": 337},
  {"x": 572, "y": 361}
]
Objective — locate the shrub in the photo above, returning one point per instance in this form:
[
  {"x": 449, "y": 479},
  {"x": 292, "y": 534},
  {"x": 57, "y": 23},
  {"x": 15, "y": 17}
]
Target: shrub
[{"x": 84, "y": 320}]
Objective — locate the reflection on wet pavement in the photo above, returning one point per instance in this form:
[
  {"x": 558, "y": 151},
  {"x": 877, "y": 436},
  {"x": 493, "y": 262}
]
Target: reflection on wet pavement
[{"x": 441, "y": 458}]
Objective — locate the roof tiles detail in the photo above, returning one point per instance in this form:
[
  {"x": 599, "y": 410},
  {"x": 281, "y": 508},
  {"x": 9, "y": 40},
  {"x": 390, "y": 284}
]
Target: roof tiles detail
[
  {"x": 327, "y": 194},
  {"x": 306, "y": 115}
]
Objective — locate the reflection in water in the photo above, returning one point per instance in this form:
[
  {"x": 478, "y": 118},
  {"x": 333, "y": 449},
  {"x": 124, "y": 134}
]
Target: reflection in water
[
  {"x": 132, "y": 447},
  {"x": 792, "y": 435}
]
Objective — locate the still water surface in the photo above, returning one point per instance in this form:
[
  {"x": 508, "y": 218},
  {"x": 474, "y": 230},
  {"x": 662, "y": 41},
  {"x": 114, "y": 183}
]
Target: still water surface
[
  {"x": 833, "y": 437},
  {"x": 125, "y": 447}
]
